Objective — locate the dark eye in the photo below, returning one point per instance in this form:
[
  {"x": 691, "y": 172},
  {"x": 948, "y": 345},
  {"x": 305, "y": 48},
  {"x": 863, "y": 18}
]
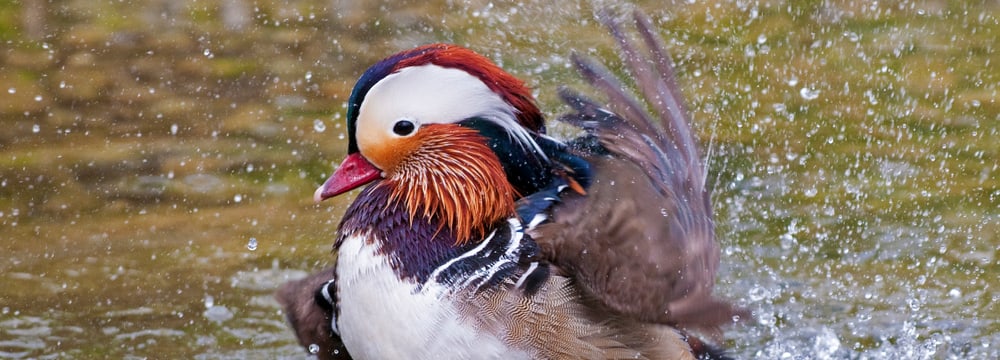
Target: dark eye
[{"x": 403, "y": 127}]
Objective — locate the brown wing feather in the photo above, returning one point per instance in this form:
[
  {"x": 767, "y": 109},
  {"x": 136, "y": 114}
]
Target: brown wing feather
[
  {"x": 311, "y": 322},
  {"x": 642, "y": 240}
]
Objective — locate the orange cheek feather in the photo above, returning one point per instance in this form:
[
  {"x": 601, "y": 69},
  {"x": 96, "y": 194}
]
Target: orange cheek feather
[
  {"x": 447, "y": 171},
  {"x": 388, "y": 153}
]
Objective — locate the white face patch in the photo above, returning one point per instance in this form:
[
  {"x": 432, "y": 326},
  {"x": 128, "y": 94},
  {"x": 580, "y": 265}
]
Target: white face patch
[{"x": 431, "y": 94}]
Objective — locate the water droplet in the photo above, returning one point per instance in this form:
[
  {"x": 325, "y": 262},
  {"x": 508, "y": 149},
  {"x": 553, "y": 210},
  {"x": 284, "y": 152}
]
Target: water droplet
[
  {"x": 787, "y": 241},
  {"x": 758, "y": 293},
  {"x": 209, "y": 301},
  {"x": 218, "y": 314},
  {"x": 207, "y": 53},
  {"x": 252, "y": 244},
  {"x": 809, "y": 94},
  {"x": 36, "y": 128},
  {"x": 319, "y": 126},
  {"x": 826, "y": 344},
  {"x": 313, "y": 349},
  {"x": 955, "y": 293},
  {"x": 38, "y": 98},
  {"x": 864, "y": 315},
  {"x": 309, "y": 75},
  {"x": 173, "y": 129},
  {"x": 852, "y": 36},
  {"x": 237, "y": 198},
  {"x": 12, "y": 91},
  {"x": 766, "y": 319}
]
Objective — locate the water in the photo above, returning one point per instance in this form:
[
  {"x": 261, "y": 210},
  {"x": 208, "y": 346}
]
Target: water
[{"x": 146, "y": 153}]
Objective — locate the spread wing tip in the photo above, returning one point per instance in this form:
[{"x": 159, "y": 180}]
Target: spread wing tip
[
  {"x": 659, "y": 112},
  {"x": 654, "y": 131}
]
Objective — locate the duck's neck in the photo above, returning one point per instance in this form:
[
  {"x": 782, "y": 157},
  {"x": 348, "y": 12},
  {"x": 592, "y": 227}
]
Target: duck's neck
[
  {"x": 423, "y": 251},
  {"x": 415, "y": 246}
]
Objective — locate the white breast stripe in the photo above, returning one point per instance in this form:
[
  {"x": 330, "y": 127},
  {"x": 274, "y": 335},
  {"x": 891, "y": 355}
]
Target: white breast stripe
[
  {"x": 531, "y": 268},
  {"x": 493, "y": 266},
  {"x": 325, "y": 291},
  {"x": 468, "y": 254},
  {"x": 516, "y": 235}
]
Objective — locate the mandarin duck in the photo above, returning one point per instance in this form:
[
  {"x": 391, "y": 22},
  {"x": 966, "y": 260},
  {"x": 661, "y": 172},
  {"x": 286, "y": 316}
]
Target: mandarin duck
[{"x": 477, "y": 236}]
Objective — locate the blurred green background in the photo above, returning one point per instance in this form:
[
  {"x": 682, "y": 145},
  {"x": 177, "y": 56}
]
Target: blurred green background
[{"x": 853, "y": 148}]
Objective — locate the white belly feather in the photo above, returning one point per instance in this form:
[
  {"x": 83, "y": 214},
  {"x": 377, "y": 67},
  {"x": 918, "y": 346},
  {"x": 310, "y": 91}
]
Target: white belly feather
[{"x": 384, "y": 317}]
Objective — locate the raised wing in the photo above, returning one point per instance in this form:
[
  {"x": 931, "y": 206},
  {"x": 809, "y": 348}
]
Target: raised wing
[{"x": 641, "y": 242}]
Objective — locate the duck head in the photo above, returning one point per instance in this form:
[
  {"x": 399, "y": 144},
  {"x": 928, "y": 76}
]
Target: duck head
[{"x": 451, "y": 134}]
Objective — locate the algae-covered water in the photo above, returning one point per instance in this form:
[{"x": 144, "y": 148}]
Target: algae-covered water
[{"x": 157, "y": 161}]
